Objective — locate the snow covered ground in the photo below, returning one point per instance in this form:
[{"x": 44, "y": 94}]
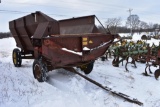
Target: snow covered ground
[{"x": 18, "y": 88}]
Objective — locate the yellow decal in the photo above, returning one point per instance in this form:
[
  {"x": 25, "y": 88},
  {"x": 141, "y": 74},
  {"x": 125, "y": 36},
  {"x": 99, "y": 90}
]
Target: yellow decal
[
  {"x": 85, "y": 43},
  {"x": 14, "y": 58},
  {"x": 90, "y": 41},
  {"x": 84, "y": 39}
]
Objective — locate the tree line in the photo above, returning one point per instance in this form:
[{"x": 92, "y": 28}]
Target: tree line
[
  {"x": 132, "y": 25},
  {"x": 5, "y": 35}
]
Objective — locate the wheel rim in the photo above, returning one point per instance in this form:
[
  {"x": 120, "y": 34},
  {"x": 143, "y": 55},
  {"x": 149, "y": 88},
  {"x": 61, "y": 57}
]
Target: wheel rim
[
  {"x": 83, "y": 67},
  {"x": 14, "y": 58},
  {"x": 37, "y": 71}
]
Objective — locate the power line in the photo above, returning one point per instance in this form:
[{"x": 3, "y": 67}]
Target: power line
[
  {"x": 57, "y": 7},
  {"x": 68, "y": 2},
  {"x": 87, "y": 3},
  {"x": 71, "y": 9},
  {"x": 13, "y": 11},
  {"x": 23, "y": 12},
  {"x": 20, "y": 12},
  {"x": 58, "y": 15}
]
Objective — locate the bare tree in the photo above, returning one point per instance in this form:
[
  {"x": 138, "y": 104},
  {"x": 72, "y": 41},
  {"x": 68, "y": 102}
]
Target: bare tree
[
  {"x": 155, "y": 26},
  {"x": 150, "y": 25},
  {"x": 143, "y": 25},
  {"x": 5, "y": 35},
  {"x": 156, "y": 29},
  {"x": 133, "y": 22},
  {"x": 113, "y": 24}
]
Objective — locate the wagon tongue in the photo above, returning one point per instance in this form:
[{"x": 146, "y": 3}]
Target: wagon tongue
[{"x": 124, "y": 96}]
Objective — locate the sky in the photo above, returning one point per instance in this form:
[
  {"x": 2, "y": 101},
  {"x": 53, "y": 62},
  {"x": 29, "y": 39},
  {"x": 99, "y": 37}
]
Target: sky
[{"x": 147, "y": 10}]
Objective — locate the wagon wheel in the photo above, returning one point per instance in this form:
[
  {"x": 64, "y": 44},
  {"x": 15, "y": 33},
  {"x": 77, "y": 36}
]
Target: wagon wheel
[
  {"x": 87, "y": 68},
  {"x": 134, "y": 62},
  {"x": 127, "y": 64},
  {"x": 39, "y": 70},
  {"x": 145, "y": 73},
  {"x": 142, "y": 59},
  {"x": 115, "y": 62},
  {"x": 157, "y": 73},
  {"x": 16, "y": 57}
]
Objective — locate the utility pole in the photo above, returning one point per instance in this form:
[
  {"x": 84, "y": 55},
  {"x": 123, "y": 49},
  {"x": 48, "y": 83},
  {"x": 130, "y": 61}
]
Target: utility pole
[{"x": 130, "y": 10}]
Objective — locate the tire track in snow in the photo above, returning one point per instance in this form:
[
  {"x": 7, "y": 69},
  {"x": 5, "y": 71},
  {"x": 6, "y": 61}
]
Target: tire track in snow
[
  {"x": 65, "y": 78},
  {"x": 69, "y": 82}
]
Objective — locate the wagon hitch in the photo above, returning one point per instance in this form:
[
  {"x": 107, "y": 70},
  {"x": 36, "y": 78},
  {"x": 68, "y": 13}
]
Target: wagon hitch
[{"x": 124, "y": 96}]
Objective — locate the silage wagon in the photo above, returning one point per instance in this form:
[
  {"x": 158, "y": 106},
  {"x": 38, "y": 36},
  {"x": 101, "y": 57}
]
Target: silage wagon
[{"x": 54, "y": 44}]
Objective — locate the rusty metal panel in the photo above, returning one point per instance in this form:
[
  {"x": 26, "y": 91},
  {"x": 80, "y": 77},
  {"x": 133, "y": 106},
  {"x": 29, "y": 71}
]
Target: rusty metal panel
[
  {"x": 15, "y": 35},
  {"x": 54, "y": 28},
  {"x": 41, "y": 30},
  {"x": 30, "y": 24},
  {"x": 78, "y": 21},
  {"x": 23, "y": 34},
  {"x": 59, "y": 57},
  {"x": 68, "y": 49},
  {"x": 77, "y": 29},
  {"x": 35, "y": 24},
  {"x": 41, "y": 17},
  {"x": 76, "y": 41},
  {"x": 78, "y": 25},
  {"x": 63, "y": 42}
]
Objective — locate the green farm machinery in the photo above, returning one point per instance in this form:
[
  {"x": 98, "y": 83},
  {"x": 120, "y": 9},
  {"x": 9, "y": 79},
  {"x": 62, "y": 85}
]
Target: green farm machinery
[{"x": 132, "y": 52}]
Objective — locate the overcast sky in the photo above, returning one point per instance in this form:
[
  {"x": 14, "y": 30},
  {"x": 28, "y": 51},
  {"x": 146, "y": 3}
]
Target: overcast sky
[{"x": 147, "y": 10}]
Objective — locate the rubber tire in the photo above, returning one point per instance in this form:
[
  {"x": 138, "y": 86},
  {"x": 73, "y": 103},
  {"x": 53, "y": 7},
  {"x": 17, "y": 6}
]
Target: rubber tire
[
  {"x": 89, "y": 68},
  {"x": 16, "y": 57},
  {"x": 115, "y": 62},
  {"x": 157, "y": 73},
  {"x": 36, "y": 63}
]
